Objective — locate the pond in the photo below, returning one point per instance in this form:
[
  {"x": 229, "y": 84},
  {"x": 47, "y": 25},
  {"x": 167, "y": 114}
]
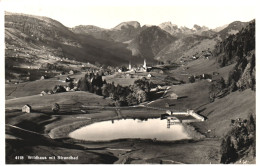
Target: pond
[{"x": 130, "y": 128}]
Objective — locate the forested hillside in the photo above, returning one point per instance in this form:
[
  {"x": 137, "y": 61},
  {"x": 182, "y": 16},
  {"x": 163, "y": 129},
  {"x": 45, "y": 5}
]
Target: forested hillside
[{"x": 239, "y": 49}]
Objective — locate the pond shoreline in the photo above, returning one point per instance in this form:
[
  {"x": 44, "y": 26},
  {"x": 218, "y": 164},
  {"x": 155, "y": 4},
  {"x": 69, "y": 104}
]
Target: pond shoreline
[
  {"x": 126, "y": 150},
  {"x": 63, "y": 131}
]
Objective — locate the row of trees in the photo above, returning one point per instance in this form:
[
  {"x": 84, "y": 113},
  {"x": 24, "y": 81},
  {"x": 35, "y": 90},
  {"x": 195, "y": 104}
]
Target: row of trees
[{"x": 123, "y": 96}]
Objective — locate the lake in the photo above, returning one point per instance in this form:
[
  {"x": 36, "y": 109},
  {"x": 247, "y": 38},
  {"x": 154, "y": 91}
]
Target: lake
[{"x": 130, "y": 128}]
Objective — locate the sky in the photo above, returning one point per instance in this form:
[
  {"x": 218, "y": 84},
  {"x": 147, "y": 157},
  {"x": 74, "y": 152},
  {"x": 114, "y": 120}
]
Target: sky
[{"x": 108, "y": 14}]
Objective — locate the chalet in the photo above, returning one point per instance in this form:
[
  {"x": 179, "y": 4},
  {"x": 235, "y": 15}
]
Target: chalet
[
  {"x": 194, "y": 57},
  {"x": 44, "y": 77},
  {"x": 27, "y": 108},
  {"x": 71, "y": 72},
  {"x": 149, "y": 75},
  {"x": 209, "y": 80},
  {"x": 161, "y": 71}
]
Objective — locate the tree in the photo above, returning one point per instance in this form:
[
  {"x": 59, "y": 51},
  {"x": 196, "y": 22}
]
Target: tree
[
  {"x": 71, "y": 85},
  {"x": 98, "y": 91},
  {"x": 228, "y": 152},
  {"x": 131, "y": 100},
  {"x": 83, "y": 84},
  {"x": 58, "y": 89},
  {"x": 105, "y": 92},
  {"x": 216, "y": 88},
  {"x": 191, "y": 79},
  {"x": 124, "y": 68},
  {"x": 97, "y": 81},
  {"x": 55, "y": 107}
]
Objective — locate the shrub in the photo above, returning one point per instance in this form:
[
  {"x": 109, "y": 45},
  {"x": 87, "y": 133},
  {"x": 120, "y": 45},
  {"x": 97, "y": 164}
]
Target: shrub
[
  {"x": 191, "y": 79},
  {"x": 55, "y": 108},
  {"x": 58, "y": 89}
]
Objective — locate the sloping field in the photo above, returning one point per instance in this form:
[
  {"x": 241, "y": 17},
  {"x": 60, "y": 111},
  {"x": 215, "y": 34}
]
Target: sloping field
[
  {"x": 31, "y": 88},
  {"x": 221, "y": 111},
  {"x": 191, "y": 96},
  {"x": 69, "y": 99},
  {"x": 200, "y": 66},
  {"x": 36, "y": 87}
]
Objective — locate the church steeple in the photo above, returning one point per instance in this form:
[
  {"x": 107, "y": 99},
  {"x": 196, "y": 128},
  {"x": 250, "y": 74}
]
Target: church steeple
[
  {"x": 144, "y": 64},
  {"x": 130, "y": 66}
]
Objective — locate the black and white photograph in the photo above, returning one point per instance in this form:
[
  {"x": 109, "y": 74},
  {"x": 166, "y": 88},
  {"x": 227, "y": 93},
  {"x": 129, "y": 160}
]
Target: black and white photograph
[{"x": 128, "y": 82}]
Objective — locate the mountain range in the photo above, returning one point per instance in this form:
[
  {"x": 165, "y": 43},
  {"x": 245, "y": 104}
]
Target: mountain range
[{"x": 128, "y": 41}]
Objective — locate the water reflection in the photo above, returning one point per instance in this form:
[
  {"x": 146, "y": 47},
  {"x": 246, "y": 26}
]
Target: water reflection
[{"x": 130, "y": 128}]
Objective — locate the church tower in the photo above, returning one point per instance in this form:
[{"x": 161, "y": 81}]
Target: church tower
[
  {"x": 130, "y": 66},
  {"x": 144, "y": 66}
]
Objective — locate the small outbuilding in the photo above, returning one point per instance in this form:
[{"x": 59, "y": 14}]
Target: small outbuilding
[
  {"x": 67, "y": 89},
  {"x": 68, "y": 79},
  {"x": 27, "y": 108},
  {"x": 44, "y": 77},
  {"x": 71, "y": 72},
  {"x": 149, "y": 75},
  {"x": 174, "y": 96},
  {"x": 43, "y": 93}
]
